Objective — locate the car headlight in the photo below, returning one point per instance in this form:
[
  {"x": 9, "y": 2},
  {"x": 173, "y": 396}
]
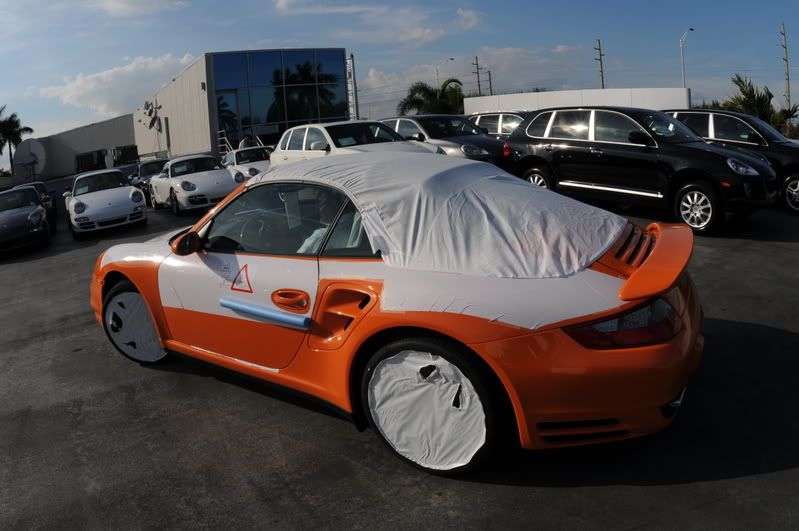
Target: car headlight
[
  {"x": 740, "y": 168},
  {"x": 253, "y": 172},
  {"x": 472, "y": 151},
  {"x": 187, "y": 186},
  {"x": 440, "y": 151},
  {"x": 35, "y": 218},
  {"x": 137, "y": 197},
  {"x": 79, "y": 208},
  {"x": 238, "y": 177}
]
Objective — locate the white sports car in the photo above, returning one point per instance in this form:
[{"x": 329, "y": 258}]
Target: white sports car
[
  {"x": 195, "y": 181},
  {"x": 102, "y": 199},
  {"x": 313, "y": 141},
  {"x": 247, "y": 161}
]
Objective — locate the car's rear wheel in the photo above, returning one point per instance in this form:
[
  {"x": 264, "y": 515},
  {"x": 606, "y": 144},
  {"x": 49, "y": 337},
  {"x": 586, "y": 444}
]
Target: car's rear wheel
[
  {"x": 538, "y": 177},
  {"x": 129, "y": 325},
  {"x": 430, "y": 404},
  {"x": 790, "y": 195},
  {"x": 698, "y": 205},
  {"x": 173, "y": 202}
]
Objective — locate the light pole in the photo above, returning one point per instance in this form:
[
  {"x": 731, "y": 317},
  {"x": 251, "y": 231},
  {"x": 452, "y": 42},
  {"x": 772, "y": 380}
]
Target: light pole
[
  {"x": 682, "y": 53},
  {"x": 438, "y": 81}
]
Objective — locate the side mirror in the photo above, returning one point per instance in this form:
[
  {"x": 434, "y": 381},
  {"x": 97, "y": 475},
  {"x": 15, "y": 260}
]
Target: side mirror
[
  {"x": 66, "y": 194},
  {"x": 639, "y": 137},
  {"x": 186, "y": 244},
  {"x": 226, "y": 164},
  {"x": 419, "y": 137},
  {"x": 320, "y": 145},
  {"x": 484, "y": 130}
]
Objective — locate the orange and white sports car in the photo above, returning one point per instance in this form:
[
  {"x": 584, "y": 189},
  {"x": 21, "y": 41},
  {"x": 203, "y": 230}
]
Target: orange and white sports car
[{"x": 442, "y": 301}]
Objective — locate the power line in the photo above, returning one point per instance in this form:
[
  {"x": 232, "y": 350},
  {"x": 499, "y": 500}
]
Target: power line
[
  {"x": 477, "y": 68},
  {"x": 600, "y": 56}
]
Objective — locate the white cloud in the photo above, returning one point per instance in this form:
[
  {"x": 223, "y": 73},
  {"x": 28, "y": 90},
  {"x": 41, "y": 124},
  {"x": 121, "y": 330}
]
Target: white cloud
[
  {"x": 564, "y": 48},
  {"x": 466, "y": 18},
  {"x": 306, "y": 7},
  {"x": 119, "y": 89},
  {"x": 120, "y": 8}
]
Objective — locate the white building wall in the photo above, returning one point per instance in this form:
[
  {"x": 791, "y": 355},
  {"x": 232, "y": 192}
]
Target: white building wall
[
  {"x": 184, "y": 115},
  {"x": 648, "y": 98}
]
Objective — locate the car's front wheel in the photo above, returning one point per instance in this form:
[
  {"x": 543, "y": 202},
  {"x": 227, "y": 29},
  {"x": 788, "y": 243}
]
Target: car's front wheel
[
  {"x": 698, "y": 206},
  {"x": 129, "y": 325},
  {"x": 430, "y": 404},
  {"x": 174, "y": 203},
  {"x": 790, "y": 195}
]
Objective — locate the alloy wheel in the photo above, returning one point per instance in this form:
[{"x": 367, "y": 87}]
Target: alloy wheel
[
  {"x": 696, "y": 209},
  {"x": 537, "y": 179},
  {"x": 792, "y": 195}
]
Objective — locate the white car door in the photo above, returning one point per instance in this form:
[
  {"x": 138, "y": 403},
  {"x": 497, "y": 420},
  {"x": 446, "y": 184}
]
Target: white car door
[
  {"x": 249, "y": 292},
  {"x": 316, "y": 144}
]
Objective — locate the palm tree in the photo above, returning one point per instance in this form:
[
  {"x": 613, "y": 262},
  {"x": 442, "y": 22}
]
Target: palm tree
[
  {"x": 751, "y": 99},
  {"x": 11, "y": 131},
  {"x": 427, "y": 99}
]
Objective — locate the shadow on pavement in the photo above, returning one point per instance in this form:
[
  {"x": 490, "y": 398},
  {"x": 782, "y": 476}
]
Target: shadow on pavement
[{"x": 739, "y": 419}]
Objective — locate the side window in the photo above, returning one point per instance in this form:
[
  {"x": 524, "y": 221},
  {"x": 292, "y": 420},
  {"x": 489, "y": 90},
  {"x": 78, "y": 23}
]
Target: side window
[
  {"x": 697, "y": 122},
  {"x": 570, "y": 124},
  {"x": 407, "y": 128},
  {"x": 284, "y": 142},
  {"x": 538, "y": 126},
  {"x": 348, "y": 237},
  {"x": 613, "y": 127},
  {"x": 297, "y": 139},
  {"x": 229, "y": 158},
  {"x": 391, "y": 123},
  {"x": 314, "y": 135},
  {"x": 510, "y": 122},
  {"x": 729, "y": 128},
  {"x": 490, "y": 122},
  {"x": 276, "y": 219}
]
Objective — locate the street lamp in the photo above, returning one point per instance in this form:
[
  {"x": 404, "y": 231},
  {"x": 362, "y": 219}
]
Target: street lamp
[
  {"x": 438, "y": 81},
  {"x": 682, "y": 53}
]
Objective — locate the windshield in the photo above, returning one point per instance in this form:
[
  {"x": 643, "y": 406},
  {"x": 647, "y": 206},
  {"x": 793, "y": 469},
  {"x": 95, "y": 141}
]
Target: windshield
[
  {"x": 101, "y": 181},
  {"x": 151, "y": 168},
  {"x": 252, "y": 155},
  {"x": 665, "y": 128},
  {"x": 185, "y": 167},
  {"x": 358, "y": 134},
  {"x": 446, "y": 127},
  {"x": 18, "y": 199},
  {"x": 768, "y": 132}
]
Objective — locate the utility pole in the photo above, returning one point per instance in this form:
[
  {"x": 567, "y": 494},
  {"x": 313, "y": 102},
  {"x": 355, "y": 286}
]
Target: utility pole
[
  {"x": 490, "y": 85},
  {"x": 787, "y": 69},
  {"x": 352, "y": 89},
  {"x": 599, "y": 57},
  {"x": 477, "y": 68}
]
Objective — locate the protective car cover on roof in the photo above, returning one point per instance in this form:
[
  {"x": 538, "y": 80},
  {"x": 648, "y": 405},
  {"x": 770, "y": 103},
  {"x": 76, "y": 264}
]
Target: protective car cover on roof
[{"x": 452, "y": 215}]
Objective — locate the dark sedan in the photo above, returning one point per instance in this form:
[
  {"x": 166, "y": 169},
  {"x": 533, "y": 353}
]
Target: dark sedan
[
  {"x": 455, "y": 135},
  {"x": 47, "y": 202},
  {"x": 23, "y": 219}
]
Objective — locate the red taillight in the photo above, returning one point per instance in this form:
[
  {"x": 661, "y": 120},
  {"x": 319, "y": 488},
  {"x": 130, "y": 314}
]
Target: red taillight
[
  {"x": 656, "y": 322},
  {"x": 506, "y": 150}
]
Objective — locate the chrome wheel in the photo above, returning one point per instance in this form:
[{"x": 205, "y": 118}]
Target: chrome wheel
[
  {"x": 792, "y": 195},
  {"x": 696, "y": 209},
  {"x": 537, "y": 179},
  {"x": 427, "y": 410},
  {"x": 131, "y": 329}
]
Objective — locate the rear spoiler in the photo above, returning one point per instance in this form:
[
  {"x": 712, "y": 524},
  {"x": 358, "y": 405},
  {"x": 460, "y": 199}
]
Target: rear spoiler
[{"x": 661, "y": 269}]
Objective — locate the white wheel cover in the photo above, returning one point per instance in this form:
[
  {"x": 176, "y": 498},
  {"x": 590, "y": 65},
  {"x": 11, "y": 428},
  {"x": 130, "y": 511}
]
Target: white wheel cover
[
  {"x": 128, "y": 321},
  {"x": 435, "y": 421}
]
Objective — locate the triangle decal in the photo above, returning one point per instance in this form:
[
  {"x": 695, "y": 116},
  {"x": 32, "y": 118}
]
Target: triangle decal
[{"x": 242, "y": 281}]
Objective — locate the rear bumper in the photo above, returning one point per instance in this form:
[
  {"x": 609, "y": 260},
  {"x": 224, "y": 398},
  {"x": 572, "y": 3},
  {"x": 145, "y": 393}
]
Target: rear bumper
[{"x": 565, "y": 394}]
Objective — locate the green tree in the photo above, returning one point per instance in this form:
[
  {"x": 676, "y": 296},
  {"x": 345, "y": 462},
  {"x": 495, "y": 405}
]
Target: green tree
[
  {"x": 11, "y": 131},
  {"x": 756, "y": 101},
  {"x": 427, "y": 99}
]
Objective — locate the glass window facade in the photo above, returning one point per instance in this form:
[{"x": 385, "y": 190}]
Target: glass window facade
[{"x": 265, "y": 92}]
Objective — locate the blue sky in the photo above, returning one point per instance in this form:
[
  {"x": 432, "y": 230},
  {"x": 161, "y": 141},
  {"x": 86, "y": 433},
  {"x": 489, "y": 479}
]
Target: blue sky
[{"x": 72, "y": 62}]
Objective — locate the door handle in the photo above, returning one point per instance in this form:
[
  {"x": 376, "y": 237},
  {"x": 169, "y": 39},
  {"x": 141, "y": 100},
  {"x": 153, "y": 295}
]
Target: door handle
[
  {"x": 292, "y": 300},
  {"x": 596, "y": 151}
]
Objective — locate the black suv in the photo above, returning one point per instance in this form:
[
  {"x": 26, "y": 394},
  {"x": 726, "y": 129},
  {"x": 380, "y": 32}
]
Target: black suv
[
  {"x": 627, "y": 154},
  {"x": 500, "y": 124},
  {"x": 734, "y": 129}
]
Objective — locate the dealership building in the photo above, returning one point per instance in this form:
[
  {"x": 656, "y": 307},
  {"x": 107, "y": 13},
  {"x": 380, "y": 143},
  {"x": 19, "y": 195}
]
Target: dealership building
[{"x": 210, "y": 107}]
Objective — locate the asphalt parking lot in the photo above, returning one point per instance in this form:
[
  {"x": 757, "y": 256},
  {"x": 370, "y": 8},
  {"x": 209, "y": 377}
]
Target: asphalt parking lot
[{"x": 89, "y": 439}]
